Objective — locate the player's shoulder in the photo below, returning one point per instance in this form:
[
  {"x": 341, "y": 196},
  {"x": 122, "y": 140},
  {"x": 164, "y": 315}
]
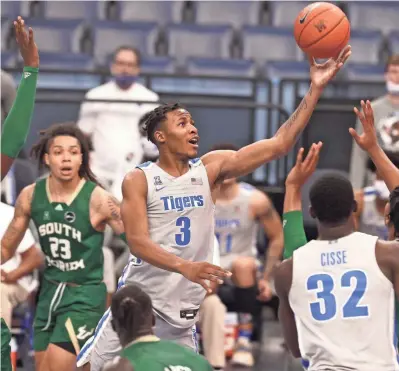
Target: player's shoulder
[
  {"x": 135, "y": 180},
  {"x": 118, "y": 364},
  {"x": 379, "y": 101},
  {"x": 28, "y": 192}
]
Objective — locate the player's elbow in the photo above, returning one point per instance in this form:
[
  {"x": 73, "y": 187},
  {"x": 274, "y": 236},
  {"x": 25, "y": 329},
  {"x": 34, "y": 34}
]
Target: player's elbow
[
  {"x": 282, "y": 144},
  {"x": 135, "y": 243}
]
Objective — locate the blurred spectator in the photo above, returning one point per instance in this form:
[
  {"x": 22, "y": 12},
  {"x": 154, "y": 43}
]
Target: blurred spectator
[
  {"x": 16, "y": 280},
  {"x": 114, "y": 127},
  {"x": 8, "y": 94},
  {"x": 386, "y": 116},
  {"x": 109, "y": 274}
]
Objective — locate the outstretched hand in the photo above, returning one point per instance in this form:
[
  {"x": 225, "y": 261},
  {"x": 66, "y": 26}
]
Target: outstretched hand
[
  {"x": 203, "y": 273},
  {"x": 321, "y": 74},
  {"x": 368, "y": 139},
  {"x": 26, "y": 44},
  {"x": 303, "y": 169}
]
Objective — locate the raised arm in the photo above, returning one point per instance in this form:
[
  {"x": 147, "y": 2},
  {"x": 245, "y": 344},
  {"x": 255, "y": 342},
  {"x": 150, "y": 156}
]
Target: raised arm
[
  {"x": 135, "y": 220},
  {"x": 16, "y": 126},
  {"x": 232, "y": 164},
  {"x": 369, "y": 143},
  {"x": 270, "y": 220},
  {"x": 294, "y": 233},
  {"x": 18, "y": 226}
]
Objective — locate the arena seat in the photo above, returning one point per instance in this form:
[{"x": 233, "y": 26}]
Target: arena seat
[
  {"x": 192, "y": 40},
  {"x": 283, "y": 13},
  {"x": 268, "y": 43},
  {"x": 74, "y": 9},
  {"x": 236, "y": 13},
  {"x": 57, "y": 36},
  {"x": 66, "y": 61},
  {"x": 380, "y": 15},
  {"x": 366, "y": 46},
  {"x": 155, "y": 11},
  {"x": 108, "y": 35},
  {"x": 221, "y": 67},
  {"x": 157, "y": 64},
  {"x": 287, "y": 69},
  {"x": 365, "y": 72}
]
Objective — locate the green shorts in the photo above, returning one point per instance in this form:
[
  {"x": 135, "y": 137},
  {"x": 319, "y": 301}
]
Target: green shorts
[
  {"x": 84, "y": 305},
  {"x": 5, "y": 346}
]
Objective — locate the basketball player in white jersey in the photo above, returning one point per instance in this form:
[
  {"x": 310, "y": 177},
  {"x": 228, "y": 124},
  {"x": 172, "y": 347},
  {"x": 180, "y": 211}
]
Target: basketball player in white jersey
[
  {"x": 240, "y": 210},
  {"x": 168, "y": 207},
  {"x": 371, "y": 202},
  {"x": 337, "y": 293}
]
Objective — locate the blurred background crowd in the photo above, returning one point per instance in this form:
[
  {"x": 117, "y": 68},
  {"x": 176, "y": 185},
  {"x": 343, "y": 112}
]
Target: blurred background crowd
[{"x": 233, "y": 64}]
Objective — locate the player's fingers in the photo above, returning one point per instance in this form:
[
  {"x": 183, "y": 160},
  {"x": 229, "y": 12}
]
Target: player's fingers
[
  {"x": 217, "y": 271},
  {"x": 354, "y": 134},
  {"x": 309, "y": 156},
  {"x": 205, "y": 285},
  {"x": 30, "y": 35},
  {"x": 359, "y": 114},
  {"x": 299, "y": 157},
  {"x": 311, "y": 60}
]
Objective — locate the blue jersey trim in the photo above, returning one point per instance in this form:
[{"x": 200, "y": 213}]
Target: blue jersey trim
[
  {"x": 144, "y": 165},
  {"x": 305, "y": 363}
]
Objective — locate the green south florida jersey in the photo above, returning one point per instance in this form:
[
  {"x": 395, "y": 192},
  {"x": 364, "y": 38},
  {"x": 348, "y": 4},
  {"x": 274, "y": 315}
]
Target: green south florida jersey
[
  {"x": 163, "y": 355},
  {"x": 73, "y": 248}
]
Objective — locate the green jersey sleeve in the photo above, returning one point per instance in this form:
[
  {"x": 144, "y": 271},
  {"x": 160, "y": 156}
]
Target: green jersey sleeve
[
  {"x": 16, "y": 125},
  {"x": 294, "y": 232}
]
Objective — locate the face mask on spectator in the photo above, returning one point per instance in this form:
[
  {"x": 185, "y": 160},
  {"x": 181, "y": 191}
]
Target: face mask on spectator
[
  {"x": 125, "y": 81},
  {"x": 392, "y": 88},
  {"x": 381, "y": 189}
]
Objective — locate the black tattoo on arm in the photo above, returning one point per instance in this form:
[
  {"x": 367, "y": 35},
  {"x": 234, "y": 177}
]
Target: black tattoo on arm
[{"x": 114, "y": 207}]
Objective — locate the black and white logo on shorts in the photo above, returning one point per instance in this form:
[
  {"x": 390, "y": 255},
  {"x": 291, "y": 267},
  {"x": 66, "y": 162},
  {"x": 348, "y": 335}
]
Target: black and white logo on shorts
[{"x": 70, "y": 216}]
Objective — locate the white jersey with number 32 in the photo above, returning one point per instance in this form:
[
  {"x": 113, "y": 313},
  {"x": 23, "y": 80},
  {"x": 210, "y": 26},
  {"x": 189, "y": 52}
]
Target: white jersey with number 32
[{"x": 344, "y": 306}]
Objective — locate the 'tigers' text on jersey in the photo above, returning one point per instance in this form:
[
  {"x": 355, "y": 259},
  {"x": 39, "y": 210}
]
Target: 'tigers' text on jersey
[{"x": 182, "y": 203}]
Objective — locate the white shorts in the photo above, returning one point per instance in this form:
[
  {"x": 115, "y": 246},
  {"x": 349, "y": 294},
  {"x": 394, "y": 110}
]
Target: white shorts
[{"x": 104, "y": 345}]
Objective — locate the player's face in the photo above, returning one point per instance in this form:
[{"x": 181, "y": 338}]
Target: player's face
[
  {"x": 391, "y": 229},
  {"x": 64, "y": 158},
  {"x": 180, "y": 134}
]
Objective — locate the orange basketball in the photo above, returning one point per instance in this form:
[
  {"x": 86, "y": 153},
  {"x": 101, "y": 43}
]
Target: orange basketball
[{"x": 322, "y": 30}]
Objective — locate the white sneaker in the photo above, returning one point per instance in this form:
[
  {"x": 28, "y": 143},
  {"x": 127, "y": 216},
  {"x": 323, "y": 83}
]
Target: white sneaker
[{"x": 243, "y": 353}]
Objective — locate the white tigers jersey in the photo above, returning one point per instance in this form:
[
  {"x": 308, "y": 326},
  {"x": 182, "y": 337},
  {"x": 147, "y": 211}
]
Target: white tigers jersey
[
  {"x": 181, "y": 220},
  {"x": 235, "y": 229},
  {"x": 344, "y": 306}
]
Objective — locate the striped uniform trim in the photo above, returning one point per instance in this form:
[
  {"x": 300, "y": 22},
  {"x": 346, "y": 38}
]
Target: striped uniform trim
[{"x": 84, "y": 355}]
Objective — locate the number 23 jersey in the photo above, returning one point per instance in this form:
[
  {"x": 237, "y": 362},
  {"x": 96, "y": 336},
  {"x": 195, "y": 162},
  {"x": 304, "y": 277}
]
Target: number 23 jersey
[
  {"x": 180, "y": 214},
  {"x": 344, "y": 306}
]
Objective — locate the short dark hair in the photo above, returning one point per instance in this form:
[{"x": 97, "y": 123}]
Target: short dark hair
[
  {"x": 65, "y": 129},
  {"x": 394, "y": 209},
  {"x": 332, "y": 198},
  {"x": 157, "y": 116},
  {"x": 225, "y": 147},
  {"x": 131, "y": 311},
  {"x": 393, "y": 156},
  {"x": 393, "y": 60},
  {"x": 131, "y": 49}
]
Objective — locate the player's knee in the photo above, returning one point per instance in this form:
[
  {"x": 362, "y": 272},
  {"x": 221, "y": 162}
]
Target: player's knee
[
  {"x": 244, "y": 264},
  {"x": 213, "y": 304}
]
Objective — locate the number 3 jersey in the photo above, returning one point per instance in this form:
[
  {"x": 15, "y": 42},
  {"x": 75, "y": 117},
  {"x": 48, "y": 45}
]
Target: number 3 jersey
[
  {"x": 72, "y": 247},
  {"x": 344, "y": 306},
  {"x": 180, "y": 220}
]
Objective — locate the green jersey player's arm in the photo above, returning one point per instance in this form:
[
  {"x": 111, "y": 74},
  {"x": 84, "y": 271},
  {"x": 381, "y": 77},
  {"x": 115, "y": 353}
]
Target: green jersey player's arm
[
  {"x": 283, "y": 281},
  {"x": 135, "y": 220},
  {"x": 118, "y": 364},
  {"x": 16, "y": 125},
  {"x": 294, "y": 232},
  {"x": 270, "y": 220},
  {"x": 19, "y": 224}
]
